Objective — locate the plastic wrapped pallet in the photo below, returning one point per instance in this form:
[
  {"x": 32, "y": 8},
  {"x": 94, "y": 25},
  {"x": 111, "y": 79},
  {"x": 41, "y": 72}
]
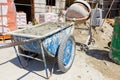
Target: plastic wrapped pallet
[
  {"x": 7, "y": 17},
  {"x": 48, "y": 17},
  {"x": 21, "y": 19}
]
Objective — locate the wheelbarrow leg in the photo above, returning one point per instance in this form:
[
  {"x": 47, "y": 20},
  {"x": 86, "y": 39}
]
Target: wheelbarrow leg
[
  {"x": 19, "y": 60},
  {"x": 44, "y": 60},
  {"x": 16, "y": 52}
]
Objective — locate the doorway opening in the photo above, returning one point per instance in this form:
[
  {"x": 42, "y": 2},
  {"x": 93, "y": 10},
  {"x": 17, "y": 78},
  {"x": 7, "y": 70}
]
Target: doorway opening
[{"x": 27, "y": 7}]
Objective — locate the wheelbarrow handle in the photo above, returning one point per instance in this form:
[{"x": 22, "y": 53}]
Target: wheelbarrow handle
[{"x": 11, "y": 44}]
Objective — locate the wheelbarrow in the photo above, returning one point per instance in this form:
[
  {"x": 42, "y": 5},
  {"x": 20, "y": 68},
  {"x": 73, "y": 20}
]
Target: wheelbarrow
[{"x": 51, "y": 38}]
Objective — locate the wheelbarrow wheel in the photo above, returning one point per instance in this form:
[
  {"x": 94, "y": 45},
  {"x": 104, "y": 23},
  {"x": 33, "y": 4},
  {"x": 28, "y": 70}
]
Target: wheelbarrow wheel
[{"x": 66, "y": 53}]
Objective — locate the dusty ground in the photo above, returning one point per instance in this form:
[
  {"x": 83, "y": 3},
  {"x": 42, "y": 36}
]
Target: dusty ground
[
  {"x": 93, "y": 65},
  {"x": 98, "y": 54}
]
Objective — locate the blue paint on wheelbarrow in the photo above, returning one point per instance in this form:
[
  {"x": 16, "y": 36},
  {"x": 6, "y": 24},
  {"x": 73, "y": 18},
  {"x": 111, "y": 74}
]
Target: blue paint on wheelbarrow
[
  {"x": 67, "y": 53},
  {"x": 32, "y": 47},
  {"x": 52, "y": 43}
]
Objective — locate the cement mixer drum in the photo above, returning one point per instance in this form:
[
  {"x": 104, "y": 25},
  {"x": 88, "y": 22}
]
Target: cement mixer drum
[{"x": 79, "y": 11}]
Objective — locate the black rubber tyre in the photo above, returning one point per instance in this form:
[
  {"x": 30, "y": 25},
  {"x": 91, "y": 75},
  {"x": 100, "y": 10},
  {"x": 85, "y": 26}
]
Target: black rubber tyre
[{"x": 61, "y": 53}]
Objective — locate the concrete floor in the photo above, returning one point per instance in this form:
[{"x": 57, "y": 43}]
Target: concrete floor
[{"x": 10, "y": 69}]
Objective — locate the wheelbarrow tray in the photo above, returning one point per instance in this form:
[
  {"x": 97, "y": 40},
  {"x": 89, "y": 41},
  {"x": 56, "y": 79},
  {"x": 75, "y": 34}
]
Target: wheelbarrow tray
[{"x": 50, "y": 34}]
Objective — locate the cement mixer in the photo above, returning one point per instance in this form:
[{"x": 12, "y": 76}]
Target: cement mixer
[{"x": 79, "y": 11}]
